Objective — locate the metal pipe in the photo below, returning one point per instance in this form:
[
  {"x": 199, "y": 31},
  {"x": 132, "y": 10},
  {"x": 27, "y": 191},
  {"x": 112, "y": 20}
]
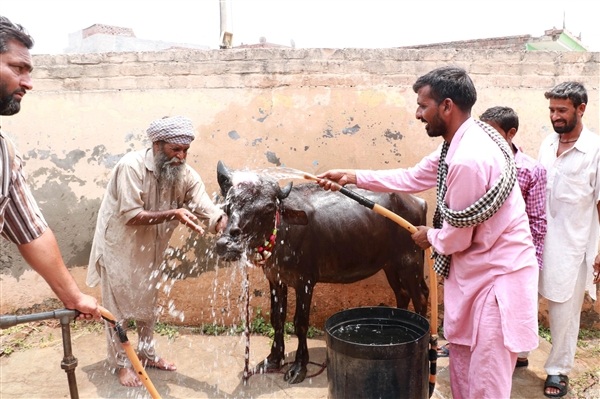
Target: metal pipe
[
  {"x": 12, "y": 320},
  {"x": 69, "y": 362}
]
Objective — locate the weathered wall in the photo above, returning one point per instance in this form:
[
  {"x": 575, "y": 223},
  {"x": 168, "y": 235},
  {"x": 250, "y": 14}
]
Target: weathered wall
[{"x": 309, "y": 109}]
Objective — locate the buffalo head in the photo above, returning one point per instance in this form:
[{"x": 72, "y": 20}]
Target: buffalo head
[{"x": 253, "y": 203}]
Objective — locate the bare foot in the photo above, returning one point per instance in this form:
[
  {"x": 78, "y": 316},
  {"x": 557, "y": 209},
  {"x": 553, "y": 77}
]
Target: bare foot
[
  {"x": 160, "y": 364},
  {"x": 128, "y": 378}
]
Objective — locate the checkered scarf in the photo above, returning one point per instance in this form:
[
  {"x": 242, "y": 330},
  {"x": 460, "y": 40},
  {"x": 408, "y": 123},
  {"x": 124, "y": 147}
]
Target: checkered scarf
[{"x": 484, "y": 208}]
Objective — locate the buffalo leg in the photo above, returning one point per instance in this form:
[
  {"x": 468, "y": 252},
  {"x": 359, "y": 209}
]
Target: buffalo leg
[
  {"x": 400, "y": 291},
  {"x": 417, "y": 288},
  {"x": 279, "y": 294},
  {"x": 297, "y": 371}
]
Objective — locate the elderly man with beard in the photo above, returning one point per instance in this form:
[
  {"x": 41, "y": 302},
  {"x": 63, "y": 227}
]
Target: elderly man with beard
[{"x": 149, "y": 193}]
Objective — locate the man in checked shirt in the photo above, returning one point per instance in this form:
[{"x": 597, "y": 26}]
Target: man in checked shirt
[
  {"x": 531, "y": 176},
  {"x": 21, "y": 221}
]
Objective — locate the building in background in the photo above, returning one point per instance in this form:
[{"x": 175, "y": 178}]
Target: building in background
[
  {"x": 553, "y": 40},
  {"x": 100, "y": 38}
]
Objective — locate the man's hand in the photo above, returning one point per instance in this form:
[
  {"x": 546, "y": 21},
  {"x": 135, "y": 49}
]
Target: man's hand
[
  {"x": 88, "y": 307},
  {"x": 420, "y": 237},
  {"x": 188, "y": 219},
  {"x": 221, "y": 224},
  {"x": 334, "y": 179}
]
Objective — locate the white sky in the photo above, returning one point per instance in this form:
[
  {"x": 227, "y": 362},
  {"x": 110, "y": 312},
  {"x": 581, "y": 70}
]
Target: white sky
[{"x": 309, "y": 23}]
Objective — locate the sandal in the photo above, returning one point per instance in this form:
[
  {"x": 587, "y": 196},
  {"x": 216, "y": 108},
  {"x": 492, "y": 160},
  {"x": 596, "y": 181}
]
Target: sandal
[
  {"x": 522, "y": 362},
  {"x": 560, "y": 382},
  {"x": 444, "y": 350}
]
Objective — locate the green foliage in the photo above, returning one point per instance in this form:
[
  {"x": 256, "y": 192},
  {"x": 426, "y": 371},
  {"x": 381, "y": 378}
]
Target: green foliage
[
  {"x": 11, "y": 345},
  {"x": 259, "y": 325},
  {"x": 167, "y": 330},
  {"x": 544, "y": 333},
  {"x": 586, "y": 338}
]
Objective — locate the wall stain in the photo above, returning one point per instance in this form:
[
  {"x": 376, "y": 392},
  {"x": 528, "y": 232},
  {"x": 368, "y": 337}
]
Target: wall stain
[
  {"x": 327, "y": 134},
  {"x": 351, "y": 130},
  {"x": 65, "y": 163},
  {"x": 101, "y": 157},
  {"x": 272, "y": 158},
  {"x": 393, "y": 135},
  {"x": 233, "y": 135},
  {"x": 262, "y": 111}
]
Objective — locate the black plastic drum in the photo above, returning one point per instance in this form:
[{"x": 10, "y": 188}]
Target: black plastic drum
[{"x": 377, "y": 352}]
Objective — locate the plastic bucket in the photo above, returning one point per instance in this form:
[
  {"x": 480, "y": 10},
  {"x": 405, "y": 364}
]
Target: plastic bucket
[{"x": 377, "y": 352}]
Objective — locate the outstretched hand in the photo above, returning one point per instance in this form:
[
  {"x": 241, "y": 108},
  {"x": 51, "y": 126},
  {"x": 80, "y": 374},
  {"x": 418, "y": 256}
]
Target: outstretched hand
[
  {"x": 188, "y": 219},
  {"x": 335, "y": 179}
]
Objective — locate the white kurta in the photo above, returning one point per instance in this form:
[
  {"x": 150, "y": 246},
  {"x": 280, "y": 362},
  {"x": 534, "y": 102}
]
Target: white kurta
[
  {"x": 132, "y": 255},
  {"x": 573, "y": 190}
]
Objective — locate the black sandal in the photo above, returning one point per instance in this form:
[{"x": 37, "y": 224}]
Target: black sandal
[
  {"x": 560, "y": 382},
  {"x": 522, "y": 363}
]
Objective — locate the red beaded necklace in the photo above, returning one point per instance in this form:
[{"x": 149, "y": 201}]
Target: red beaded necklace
[{"x": 265, "y": 251}]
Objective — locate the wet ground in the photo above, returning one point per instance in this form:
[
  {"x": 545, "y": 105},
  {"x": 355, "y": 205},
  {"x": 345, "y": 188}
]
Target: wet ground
[{"x": 211, "y": 367}]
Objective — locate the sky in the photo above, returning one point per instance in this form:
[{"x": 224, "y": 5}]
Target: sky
[{"x": 306, "y": 23}]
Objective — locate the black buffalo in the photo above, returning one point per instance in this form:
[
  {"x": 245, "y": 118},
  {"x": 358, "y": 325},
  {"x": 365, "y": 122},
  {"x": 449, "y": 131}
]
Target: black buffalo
[{"x": 321, "y": 236}]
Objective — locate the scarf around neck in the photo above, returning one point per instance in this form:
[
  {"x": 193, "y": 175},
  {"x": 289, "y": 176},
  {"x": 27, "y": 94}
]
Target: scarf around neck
[{"x": 484, "y": 208}]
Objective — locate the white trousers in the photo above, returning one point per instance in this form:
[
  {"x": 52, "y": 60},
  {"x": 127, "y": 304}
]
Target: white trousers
[{"x": 564, "y": 328}]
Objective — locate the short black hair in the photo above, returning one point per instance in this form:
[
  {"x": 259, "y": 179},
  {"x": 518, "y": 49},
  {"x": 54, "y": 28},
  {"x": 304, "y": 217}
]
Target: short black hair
[
  {"x": 505, "y": 117},
  {"x": 10, "y": 31},
  {"x": 449, "y": 82},
  {"x": 573, "y": 91}
]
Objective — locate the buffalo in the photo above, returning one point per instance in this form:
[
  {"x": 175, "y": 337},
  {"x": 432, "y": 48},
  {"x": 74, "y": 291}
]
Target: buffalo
[{"x": 302, "y": 235}]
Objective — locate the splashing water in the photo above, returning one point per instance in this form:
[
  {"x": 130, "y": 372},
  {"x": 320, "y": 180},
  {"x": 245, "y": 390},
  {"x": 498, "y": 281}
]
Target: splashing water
[{"x": 283, "y": 173}]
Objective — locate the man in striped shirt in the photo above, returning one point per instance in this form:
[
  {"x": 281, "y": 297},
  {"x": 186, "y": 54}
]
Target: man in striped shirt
[{"x": 21, "y": 220}]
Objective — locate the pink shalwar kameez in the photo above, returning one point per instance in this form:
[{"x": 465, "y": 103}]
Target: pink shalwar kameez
[{"x": 490, "y": 295}]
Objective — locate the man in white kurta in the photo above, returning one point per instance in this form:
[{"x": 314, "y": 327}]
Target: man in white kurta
[
  {"x": 571, "y": 157},
  {"x": 137, "y": 217}
]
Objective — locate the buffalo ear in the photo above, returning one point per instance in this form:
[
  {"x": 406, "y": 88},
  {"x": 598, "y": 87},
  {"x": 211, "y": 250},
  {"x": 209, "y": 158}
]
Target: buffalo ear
[
  {"x": 283, "y": 194},
  {"x": 224, "y": 178},
  {"x": 294, "y": 216}
]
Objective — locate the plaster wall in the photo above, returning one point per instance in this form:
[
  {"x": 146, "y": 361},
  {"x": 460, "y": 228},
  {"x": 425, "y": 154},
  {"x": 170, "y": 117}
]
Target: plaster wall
[{"x": 308, "y": 109}]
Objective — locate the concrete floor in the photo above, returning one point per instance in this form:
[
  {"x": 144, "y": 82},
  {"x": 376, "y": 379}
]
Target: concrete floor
[{"x": 208, "y": 367}]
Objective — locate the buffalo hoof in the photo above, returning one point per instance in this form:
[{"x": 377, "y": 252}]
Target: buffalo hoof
[
  {"x": 295, "y": 374},
  {"x": 267, "y": 365}
]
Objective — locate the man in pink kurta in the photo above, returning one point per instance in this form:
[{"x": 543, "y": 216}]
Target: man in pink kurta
[{"x": 490, "y": 294}]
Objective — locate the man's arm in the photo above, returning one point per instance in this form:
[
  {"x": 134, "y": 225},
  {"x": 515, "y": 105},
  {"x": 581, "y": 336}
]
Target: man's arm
[
  {"x": 156, "y": 217},
  {"x": 535, "y": 207},
  {"x": 44, "y": 256}
]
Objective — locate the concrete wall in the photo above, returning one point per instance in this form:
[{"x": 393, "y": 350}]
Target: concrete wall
[{"x": 308, "y": 109}]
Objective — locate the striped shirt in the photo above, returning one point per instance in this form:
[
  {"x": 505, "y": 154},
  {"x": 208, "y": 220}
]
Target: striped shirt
[
  {"x": 21, "y": 220},
  {"x": 531, "y": 176}
]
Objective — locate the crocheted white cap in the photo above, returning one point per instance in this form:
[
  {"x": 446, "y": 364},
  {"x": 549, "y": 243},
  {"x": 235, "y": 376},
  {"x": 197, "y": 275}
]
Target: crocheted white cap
[{"x": 173, "y": 130}]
